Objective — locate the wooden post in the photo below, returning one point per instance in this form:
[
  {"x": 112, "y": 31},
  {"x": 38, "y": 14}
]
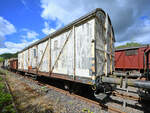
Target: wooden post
[
  {"x": 28, "y": 59},
  {"x": 23, "y": 61},
  {"x": 111, "y": 53},
  {"x": 93, "y": 57},
  {"x": 74, "y": 53},
  {"x": 105, "y": 55},
  {"x": 105, "y": 45},
  {"x": 49, "y": 56},
  {"x": 36, "y": 57}
]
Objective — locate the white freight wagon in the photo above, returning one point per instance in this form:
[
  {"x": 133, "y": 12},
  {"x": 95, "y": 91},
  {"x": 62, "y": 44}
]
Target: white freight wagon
[
  {"x": 6, "y": 63},
  {"x": 81, "y": 51}
]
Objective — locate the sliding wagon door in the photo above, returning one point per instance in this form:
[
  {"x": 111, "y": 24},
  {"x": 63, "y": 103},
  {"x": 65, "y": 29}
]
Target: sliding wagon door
[
  {"x": 104, "y": 45},
  {"x": 84, "y": 34},
  {"x": 62, "y": 53}
]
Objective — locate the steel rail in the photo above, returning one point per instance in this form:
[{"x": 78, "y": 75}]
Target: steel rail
[{"x": 115, "y": 93}]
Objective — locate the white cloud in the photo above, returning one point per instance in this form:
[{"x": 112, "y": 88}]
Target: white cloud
[
  {"x": 24, "y": 29},
  {"x": 142, "y": 35},
  {"x": 124, "y": 14},
  {"x": 137, "y": 33},
  {"x": 30, "y": 34},
  {"x": 64, "y": 12},
  {"x": 47, "y": 30},
  {"x": 6, "y": 28},
  {"x": 12, "y": 47}
]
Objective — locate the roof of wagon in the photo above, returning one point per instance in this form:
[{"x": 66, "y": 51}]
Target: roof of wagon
[
  {"x": 75, "y": 22},
  {"x": 128, "y": 48}
]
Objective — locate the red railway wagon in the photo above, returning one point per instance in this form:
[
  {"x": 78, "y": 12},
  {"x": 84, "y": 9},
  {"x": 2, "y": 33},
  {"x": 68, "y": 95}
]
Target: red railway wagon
[
  {"x": 13, "y": 64},
  {"x": 132, "y": 58}
]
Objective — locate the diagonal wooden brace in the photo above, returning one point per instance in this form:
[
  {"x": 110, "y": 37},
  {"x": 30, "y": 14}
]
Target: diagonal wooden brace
[
  {"x": 42, "y": 56},
  {"x": 50, "y": 72}
]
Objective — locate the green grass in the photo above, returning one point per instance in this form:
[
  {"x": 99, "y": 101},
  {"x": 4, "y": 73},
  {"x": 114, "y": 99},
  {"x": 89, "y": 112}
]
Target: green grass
[
  {"x": 5, "y": 99},
  {"x": 1, "y": 59},
  {"x": 3, "y": 72}
]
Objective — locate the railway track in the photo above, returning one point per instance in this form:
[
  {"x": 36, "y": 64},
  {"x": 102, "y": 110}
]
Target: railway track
[
  {"x": 116, "y": 93},
  {"x": 109, "y": 108},
  {"x": 90, "y": 101}
]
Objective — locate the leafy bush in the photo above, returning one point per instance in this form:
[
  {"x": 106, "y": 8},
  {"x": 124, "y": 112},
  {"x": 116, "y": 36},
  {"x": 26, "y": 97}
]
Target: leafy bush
[
  {"x": 1, "y": 86},
  {"x": 5, "y": 98},
  {"x": 8, "y": 109},
  {"x": 1, "y": 79}
]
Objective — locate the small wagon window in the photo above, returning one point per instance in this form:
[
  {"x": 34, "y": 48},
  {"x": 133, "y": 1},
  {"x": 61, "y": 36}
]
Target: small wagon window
[
  {"x": 131, "y": 52},
  {"x": 55, "y": 45},
  {"x": 34, "y": 52}
]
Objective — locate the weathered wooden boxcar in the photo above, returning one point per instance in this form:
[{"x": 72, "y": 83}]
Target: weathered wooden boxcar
[
  {"x": 80, "y": 51},
  {"x": 13, "y": 64},
  {"x": 132, "y": 58}
]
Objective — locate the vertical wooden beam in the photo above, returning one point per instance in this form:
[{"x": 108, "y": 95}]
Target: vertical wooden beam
[
  {"x": 23, "y": 60},
  {"x": 31, "y": 57},
  {"x": 74, "y": 53},
  {"x": 105, "y": 45},
  {"x": 105, "y": 55},
  {"x": 28, "y": 58},
  {"x": 138, "y": 59},
  {"x": 144, "y": 61},
  {"x": 49, "y": 56},
  {"x": 93, "y": 57},
  {"x": 111, "y": 53},
  {"x": 95, "y": 60},
  {"x": 36, "y": 55}
]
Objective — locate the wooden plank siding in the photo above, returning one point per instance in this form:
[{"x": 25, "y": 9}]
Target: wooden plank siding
[{"x": 80, "y": 52}]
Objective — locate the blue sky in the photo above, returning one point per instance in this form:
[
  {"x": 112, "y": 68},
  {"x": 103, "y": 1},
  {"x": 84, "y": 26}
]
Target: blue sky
[
  {"x": 23, "y": 22},
  {"x": 23, "y": 15}
]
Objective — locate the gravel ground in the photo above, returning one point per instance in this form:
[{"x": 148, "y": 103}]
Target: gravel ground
[{"x": 32, "y": 98}]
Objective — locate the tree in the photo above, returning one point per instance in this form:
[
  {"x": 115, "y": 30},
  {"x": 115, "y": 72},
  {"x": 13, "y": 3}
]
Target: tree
[
  {"x": 8, "y": 55},
  {"x": 132, "y": 44}
]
